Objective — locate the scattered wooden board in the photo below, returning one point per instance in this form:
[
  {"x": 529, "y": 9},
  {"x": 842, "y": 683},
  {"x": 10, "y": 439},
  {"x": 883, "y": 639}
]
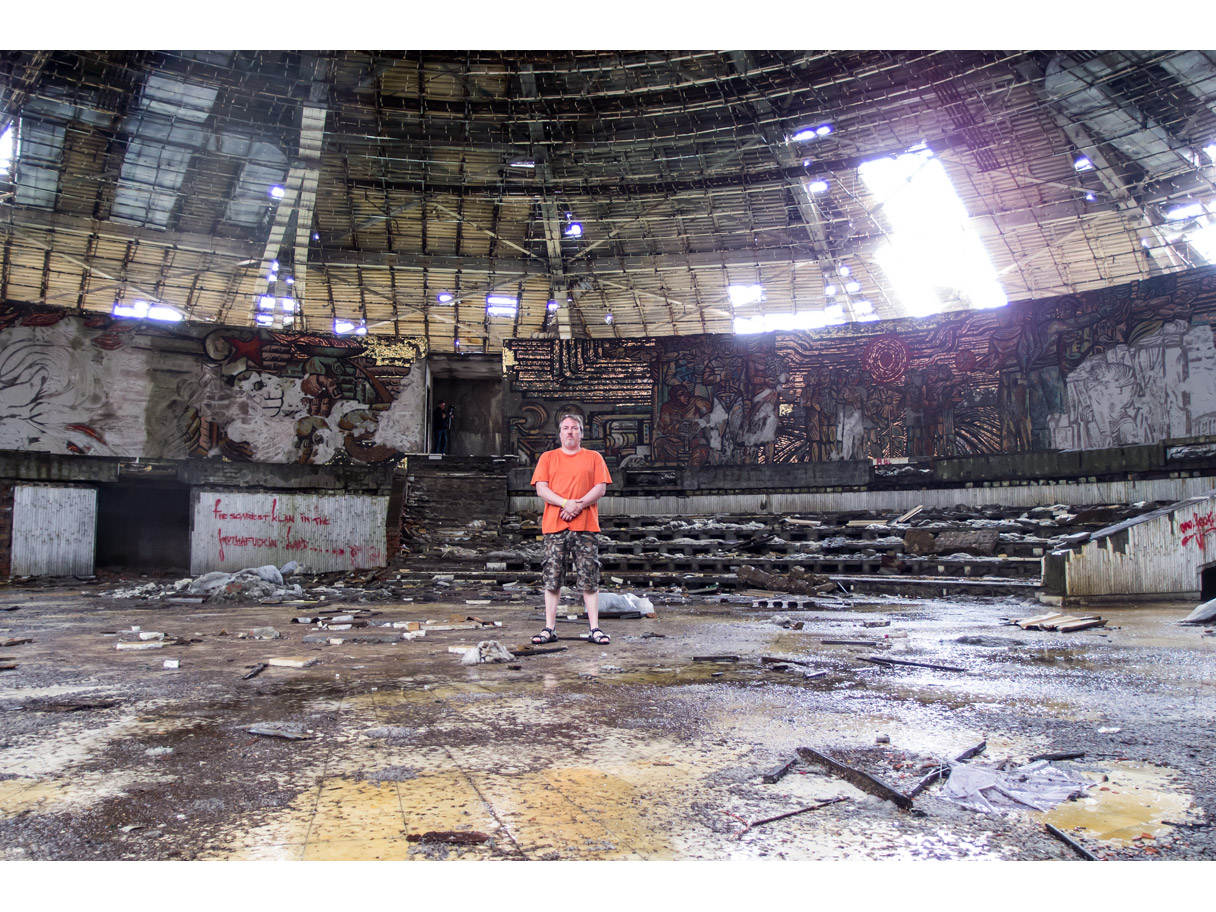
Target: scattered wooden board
[
  {"x": 1081, "y": 624},
  {"x": 857, "y": 778}
]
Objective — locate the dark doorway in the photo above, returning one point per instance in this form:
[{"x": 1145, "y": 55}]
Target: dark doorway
[
  {"x": 472, "y": 384},
  {"x": 143, "y": 527},
  {"x": 1207, "y": 585}
]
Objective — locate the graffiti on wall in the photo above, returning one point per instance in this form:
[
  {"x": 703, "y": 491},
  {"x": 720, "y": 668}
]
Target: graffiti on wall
[
  {"x": 1130, "y": 364},
  {"x": 102, "y": 386}
]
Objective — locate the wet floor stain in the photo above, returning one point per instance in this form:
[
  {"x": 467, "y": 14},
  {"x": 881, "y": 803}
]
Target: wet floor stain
[{"x": 1130, "y": 801}]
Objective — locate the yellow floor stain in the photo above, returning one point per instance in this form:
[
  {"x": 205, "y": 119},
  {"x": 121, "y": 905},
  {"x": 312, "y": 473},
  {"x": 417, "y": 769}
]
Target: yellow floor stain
[
  {"x": 575, "y": 814},
  {"x": 20, "y": 795},
  {"x": 1136, "y": 800}
]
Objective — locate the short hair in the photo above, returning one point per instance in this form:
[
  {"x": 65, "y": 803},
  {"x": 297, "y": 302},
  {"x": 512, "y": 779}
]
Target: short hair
[{"x": 576, "y": 417}]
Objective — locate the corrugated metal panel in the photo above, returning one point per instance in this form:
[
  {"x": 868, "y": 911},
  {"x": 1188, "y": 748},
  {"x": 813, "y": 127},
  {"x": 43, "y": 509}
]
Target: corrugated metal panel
[
  {"x": 234, "y": 530},
  {"x": 881, "y": 502},
  {"x": 1161, "y": 556},
  {"x": 54, "y": 530}
]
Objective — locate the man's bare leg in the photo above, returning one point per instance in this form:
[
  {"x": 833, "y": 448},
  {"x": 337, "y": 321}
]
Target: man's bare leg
[
  {"x": 592, "y": 601},
  {"x": 551, "y": 602}
]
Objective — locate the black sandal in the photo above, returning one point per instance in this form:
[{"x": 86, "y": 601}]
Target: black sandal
[
  {"x": 598, "y": 637},
  {"x": 548, "y": 635}
]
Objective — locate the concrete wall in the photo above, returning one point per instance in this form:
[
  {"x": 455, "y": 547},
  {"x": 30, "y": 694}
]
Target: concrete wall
[{"x": 100, "y": 386}]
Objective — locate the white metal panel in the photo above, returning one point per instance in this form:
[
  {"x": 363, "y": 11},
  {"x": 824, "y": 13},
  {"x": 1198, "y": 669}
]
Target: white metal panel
[
  {"x": 54, "y": 530},
  {"x": 234, "y": 530},
  {"x": 1155, "y": 557}
]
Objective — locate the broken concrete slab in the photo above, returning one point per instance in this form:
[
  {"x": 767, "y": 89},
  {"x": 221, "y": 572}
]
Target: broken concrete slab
[
  {"x": 291, "y": 661},
  {"x": 487, "y": 651},
  {"x": 977, "y": 541},
  {"x": 260, "y": 633},
  {"x": 920, "y": 541}
]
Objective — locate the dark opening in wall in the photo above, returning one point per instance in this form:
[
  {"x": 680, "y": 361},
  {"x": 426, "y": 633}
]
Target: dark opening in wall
[
  {"x": 1207, "y": 587},
  {"x": 143, "y": 527}
]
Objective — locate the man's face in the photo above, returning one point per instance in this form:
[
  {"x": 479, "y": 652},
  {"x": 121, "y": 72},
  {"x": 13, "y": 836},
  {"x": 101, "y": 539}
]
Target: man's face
[{"x": 571, "y": 434}]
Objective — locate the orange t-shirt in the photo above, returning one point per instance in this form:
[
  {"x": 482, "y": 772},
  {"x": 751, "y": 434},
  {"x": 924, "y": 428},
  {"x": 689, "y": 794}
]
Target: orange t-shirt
[{"x": 571, "y": 475}]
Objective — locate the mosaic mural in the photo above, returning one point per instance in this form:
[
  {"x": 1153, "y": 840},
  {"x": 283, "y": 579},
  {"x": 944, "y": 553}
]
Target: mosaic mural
[
  {"x": 1130, "y": 364},
  {"x": 96, "y": 385}
]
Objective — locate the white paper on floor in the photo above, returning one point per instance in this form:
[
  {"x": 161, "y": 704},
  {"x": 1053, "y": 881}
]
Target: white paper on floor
[{"x": 1038, "y": 786}]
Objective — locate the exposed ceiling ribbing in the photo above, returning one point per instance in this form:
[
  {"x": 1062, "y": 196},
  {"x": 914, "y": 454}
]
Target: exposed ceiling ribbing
[{"x": 676, "y": 164}]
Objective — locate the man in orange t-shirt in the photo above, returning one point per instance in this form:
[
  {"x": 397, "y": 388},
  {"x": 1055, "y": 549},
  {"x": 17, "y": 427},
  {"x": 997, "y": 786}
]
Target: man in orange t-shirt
[{"x": 570, "y": 481}]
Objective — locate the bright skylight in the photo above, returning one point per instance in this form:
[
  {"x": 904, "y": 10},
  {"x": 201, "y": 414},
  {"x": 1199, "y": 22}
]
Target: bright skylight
[
  {"x": 817, "y": 186},
  {"x": 1190, "y": 210},
  {"x": 932, "y": 255},
  {"x": 1082, "y": 164},
  {"x": 786, "y": 322},
  {"x": 445, "y": 297},
  {"x": 745, "y": 294},
  {"x": 7, "y": 144},
  {"x": 1210, "y": 151},
  {"x": 140, "y": 310},
  {"x": 501, "y": 305},
  {"x": 344, "y": 327}
]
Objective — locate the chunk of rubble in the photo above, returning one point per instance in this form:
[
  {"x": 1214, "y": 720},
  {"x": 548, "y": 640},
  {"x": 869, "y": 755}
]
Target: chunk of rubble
[{"x": 486, "y": 651}]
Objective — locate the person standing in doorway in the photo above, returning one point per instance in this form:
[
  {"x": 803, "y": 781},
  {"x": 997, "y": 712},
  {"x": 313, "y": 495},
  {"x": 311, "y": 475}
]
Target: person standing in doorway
[
  {"x": 571, "y": 480},
  {"x": 442, "y": 422}
]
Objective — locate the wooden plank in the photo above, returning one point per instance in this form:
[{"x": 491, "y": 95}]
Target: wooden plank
[
  {"x": 1071, "y": 843},
  {"x": 813, "y": 807},
  {"x": 1083, "y": 624},
  {"x": 773, "y": 660},
  {"x": 1038, "y": 619},
  {"x": 910, "y": 514},
  {"x": 879, "y": 660},
  {"x": 779, "y": 773},
  {"x": 857, "y": 778}
]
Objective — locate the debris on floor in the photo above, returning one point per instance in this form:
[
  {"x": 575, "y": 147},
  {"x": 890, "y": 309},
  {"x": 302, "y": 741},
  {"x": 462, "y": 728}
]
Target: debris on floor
[
  {"x": 1059, "y": 622},
  {"x": 487, "y": 651},
  {"x": 1038, "y": 786},
  {"x": 291, "y": 661},
  {"x": 1202, "y": 613},
  {"x": 880, "y": 660},
  {"x": 857, "y": 778},
  {"x": 290, "y": 731}
]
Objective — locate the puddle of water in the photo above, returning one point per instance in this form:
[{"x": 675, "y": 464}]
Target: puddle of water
[{"x": 1136, "y": 799}]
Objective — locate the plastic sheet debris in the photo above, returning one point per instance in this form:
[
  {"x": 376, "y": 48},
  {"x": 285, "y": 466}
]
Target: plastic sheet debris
[
  {"x": 1202, "y": 613},
  {"x": 1038, "y": 786}
]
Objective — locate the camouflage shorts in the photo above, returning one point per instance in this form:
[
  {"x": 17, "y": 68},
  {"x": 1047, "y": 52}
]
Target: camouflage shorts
[{"x": 567, "y": 547}]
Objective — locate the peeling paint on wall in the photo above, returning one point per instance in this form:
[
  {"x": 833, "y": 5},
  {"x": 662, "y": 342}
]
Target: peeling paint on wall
[{"x": 102, "y": 386}]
